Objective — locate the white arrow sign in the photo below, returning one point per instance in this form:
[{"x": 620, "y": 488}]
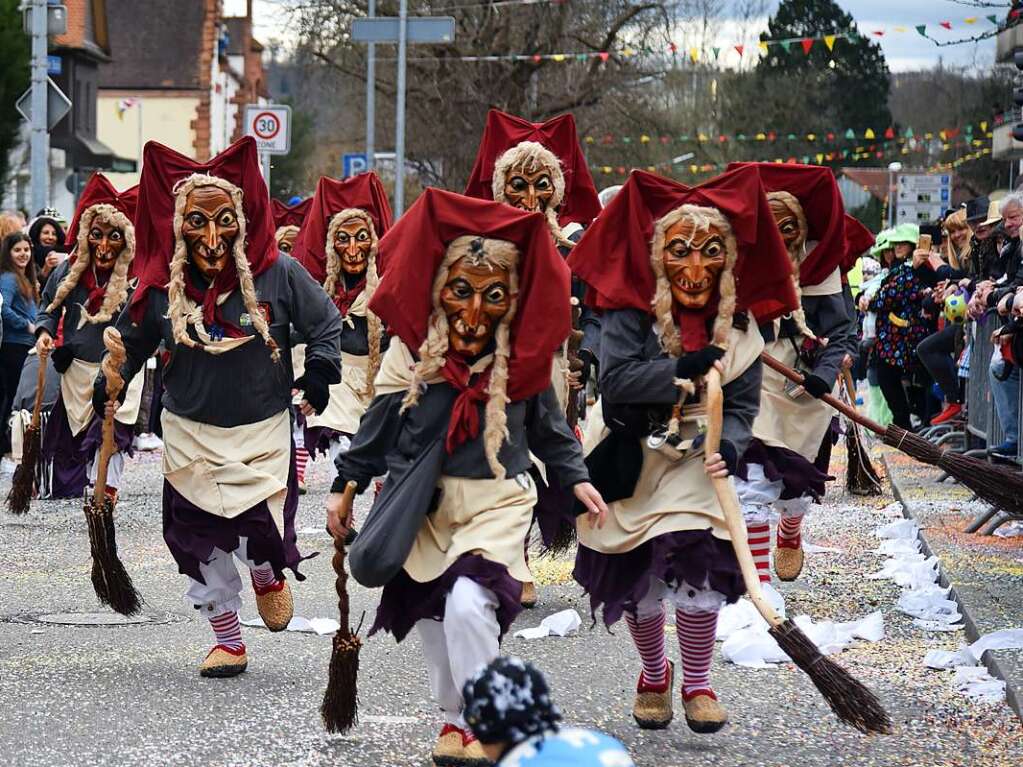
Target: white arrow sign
[{"x": 57, "y": 105}]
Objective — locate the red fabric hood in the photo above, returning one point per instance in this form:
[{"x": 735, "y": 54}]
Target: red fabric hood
[
  {"x": 289, "y": 215},
  {"x": 817, "y": 191},
  {"x": 414, "y": 248},
  {"x": 613, "y": 256},
  {"x": 162, "y": 170},
  {"x": 858, "y": 240},
  {"x": 503, "y": 131},
  {"x": 364, "y": 191},
  {"x": 99, "y": 191}
]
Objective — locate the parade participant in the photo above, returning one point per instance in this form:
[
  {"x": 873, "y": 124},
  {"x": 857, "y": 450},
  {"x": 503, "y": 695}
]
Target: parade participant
[
  {"x": 462, "y": 397},
  {"x": 84, "y": 295},
  {"x": 215, "y": 290},
  {"x": 509, "y": 708},
  {"x": 677, "y": 272},
  {"x": 338, "y": 246},
  {"x": 541, "y": 167},
  {"x": 288, "y": 218},
  {"x": 778, "y": 472}
]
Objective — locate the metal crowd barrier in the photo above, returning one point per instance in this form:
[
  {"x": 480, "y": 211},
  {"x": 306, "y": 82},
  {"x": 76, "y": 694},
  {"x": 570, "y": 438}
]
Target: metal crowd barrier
[{"x": 980, "y": 409}]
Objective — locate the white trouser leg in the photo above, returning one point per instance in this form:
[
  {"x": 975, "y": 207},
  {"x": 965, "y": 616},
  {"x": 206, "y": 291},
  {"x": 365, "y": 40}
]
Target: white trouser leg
[
  {"x": 793, "y": 507},
  {"x": 115, "y": 469},
  {"x": 653, "y": 602},
  {"x": 297, "y": 434},
  {"x": 442, "y": 684},
  {"x": 338, "y": 447},
  {"x": 471, "y": 631},
  {"x": 756, "y": 494},
  {"x": 221, "y": 592}
]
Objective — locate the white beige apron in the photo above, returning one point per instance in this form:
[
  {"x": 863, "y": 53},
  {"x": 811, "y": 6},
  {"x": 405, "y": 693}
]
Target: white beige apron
[
  {"x": 227, "y": 470},
  {"x": 298, "y": 369},
  {"x": 348, "y": 399},
  {"x": 76, "y": 394},
  {"x": 670, "y": 495}
]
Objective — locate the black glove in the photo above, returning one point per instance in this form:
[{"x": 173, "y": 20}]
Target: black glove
[
  {"x": 315, "y": 383},
  {"x": 697, "y": 363},
  {"x": 589, "y": 363},
  {"x": 728, "y": 455},
  {"x": 816, "y": 386},
  {"x": 62, "y": 357}
]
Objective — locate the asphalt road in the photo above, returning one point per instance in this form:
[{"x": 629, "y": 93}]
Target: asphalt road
[{"x": 131, "y": 695}]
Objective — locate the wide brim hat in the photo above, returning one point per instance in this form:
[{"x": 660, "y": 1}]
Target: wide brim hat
[{"x": 904, "y": 233}]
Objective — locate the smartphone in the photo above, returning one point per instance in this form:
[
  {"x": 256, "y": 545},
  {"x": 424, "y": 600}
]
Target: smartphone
[
  {"x": 924, "y": 243},
  {"x": 934, "y": 231}
]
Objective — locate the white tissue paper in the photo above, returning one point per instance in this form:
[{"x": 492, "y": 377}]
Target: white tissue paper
[
  {"x": 318, "y": 626},
  {"x": 753, "y": 647},
  {"x": 812, "y": 548},
  {"x": 559, "y": 624},
  {"x": 1006, "y": 639},
  {"x": 901, "y": 528},
  {"x": 976, "y": 683},
  {"x": 930, "y": 604}
]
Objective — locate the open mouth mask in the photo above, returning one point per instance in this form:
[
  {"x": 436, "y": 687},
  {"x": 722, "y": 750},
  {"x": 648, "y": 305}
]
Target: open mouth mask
[
  {"x": 527, "y": 190},
  {"x": 106, "y": 243},
  {"x": 475, "y": 299},
  {"x": 352, "y": 243},
  {"x": 694, "y": 258},
  {"x": 209, "y": 229}
]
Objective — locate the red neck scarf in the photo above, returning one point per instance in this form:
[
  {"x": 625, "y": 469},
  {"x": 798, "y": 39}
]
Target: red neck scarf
[
  {"x": 344, "y": 297},
  {"x": 465, "y": 415},
  {"x": 97, "y": 289},
  {"x": 212, "y": 317},
  {"x": 692, "y": 323}
]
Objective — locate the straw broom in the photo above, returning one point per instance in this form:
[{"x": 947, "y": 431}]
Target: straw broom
[
  {"x": 110, "y": 580},
  {"x": 340, "y": 707},
  {"x": 851, "y": 701},
  {"x": 23, "y": 482},
  {"x": 997, "y": 485},
  {"x": 860, "y": 476}
]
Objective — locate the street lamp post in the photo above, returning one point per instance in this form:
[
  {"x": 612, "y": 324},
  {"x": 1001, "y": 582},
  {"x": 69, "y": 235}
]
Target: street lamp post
[{"x": 893, "y": 170}]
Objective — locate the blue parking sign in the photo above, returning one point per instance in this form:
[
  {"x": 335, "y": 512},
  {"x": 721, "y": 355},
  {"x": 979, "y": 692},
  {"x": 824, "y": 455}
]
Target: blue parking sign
[{"x": 353, "y": 164}]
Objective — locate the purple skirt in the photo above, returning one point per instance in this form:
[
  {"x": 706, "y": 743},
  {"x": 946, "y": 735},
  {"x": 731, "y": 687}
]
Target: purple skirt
[
  {"x": 799, "y": 477},
  {"x": 618, "y": 582},
  {"x": 70, "y": 454},
  {"x": 554, "y": 511},
  {"x": 191, "y": 534},
  {"x": 405, "y": 601},
  {"x": 315, "y": 438}
]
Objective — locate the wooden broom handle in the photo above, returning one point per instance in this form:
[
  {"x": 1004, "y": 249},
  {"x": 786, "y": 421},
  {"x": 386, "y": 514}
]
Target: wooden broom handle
[
  {"x": 729, "y": 502},
  {"x": 112, "y": 363},
  {"x": 37, "y": 408},
  {"x": 338, "y": 563},
  {"x": 848, "y": 411},
  {"x": 850, "y": 387}
]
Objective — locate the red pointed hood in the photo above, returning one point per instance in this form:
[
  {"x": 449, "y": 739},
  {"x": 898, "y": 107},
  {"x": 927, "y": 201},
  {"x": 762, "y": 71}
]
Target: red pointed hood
[
  {"x": 858, "y": 240},
  {"x": 415, "y": 247},
  {"x": 289, "y": 215},
  {"x": 579, "y": 202},
  {"x": 99, "y": 191}
]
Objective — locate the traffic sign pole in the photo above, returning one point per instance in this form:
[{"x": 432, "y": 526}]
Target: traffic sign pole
[
  {"x": 371, "y": 96},
  {"x": 40, "y": 136},
  {"x": 399, "y": 127}
]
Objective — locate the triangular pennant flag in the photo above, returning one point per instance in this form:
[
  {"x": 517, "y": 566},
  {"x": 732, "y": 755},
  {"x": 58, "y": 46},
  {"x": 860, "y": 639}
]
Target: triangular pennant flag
[
  {"x": 868, "y": 134},
  {"x": 604, "y": 55},
  {"x": 820, "y": 158},
  {"x": 908, "y": 133},
  {"x": 807, "y": 43},
  {"x": 786, "y": 45},
  {"x": 922, "y": 29},
  {"x": 763, "y": 46},
  {"x": 878, "y": 33},
  {"x": 829, "y": 40},
  {"x": 983, "y": 127},
  {"x": 993, "y": 19},
  {"x": 739, "y": 49},
  {"x": 644, "y": 139},
  {"x": 694, "y": 54},
  {"x": 970, "y": 20},
  {"x": 945, "y": 24},
  {"x": 558, "y": 57},
  {"x": 716, "y": 52},
  {"x": 900, "y": 29},
  {"x": 890, "y": 133},
  {"x": 850, "y": 134}
]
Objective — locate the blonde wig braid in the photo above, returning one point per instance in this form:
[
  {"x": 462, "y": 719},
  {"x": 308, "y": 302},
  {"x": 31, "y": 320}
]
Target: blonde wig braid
[
  {"x": 530, "y": 157},
  {"x": 177, "y": 310},
  {"x": 796, "y": 255},
  {"x": 497, "y": 254},
  {"x": 374, "y": 327},
  {"x": 116, "y": 293}
]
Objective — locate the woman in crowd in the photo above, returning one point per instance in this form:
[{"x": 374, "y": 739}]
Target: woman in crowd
[
  {"x": 20, "y": 293},
  {"x": 47, "y": 236},
  {"x": 901, "y": 324}
]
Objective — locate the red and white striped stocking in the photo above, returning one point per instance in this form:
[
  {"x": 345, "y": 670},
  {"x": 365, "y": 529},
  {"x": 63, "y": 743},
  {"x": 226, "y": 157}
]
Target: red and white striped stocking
[
  {"x": 759, "y": 536},
  {"x": 264, "y": 580},
  {"x": 696, "y": 643},
  {"x": 301, "y": 460},
  {"x": 789, "y": 529},
  {"x": 228, "y": 631},
  {"x": 648, "y": 635}
]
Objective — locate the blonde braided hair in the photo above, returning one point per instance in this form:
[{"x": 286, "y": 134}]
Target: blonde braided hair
[
  {"x": 116, "y": 293},
  {"x": 497, "y": 254},
  {"x": 177, "y": 310}
]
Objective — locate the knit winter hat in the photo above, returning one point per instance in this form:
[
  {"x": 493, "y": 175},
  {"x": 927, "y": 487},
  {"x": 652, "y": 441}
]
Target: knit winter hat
[{"x": 508, "y": 701}]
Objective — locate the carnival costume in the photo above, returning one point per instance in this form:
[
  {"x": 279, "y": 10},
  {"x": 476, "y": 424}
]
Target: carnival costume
[
  {"x": 288, "y": 219},
  {"x": 83, "y": 296},
  {"x": 338, "y": 246},
  {"x": 478, "y": 291},
  {"x": 677, "y": 272},
  {"x": 541, "y": 167},
  {"x": 215, "y": 290},
  {"x": 780, "y": 470}
]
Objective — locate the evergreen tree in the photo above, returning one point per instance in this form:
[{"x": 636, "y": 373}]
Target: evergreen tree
[{"x": 14, "y": 77}]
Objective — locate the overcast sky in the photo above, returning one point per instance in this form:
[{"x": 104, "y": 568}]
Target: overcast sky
[{"x": 903, "y": 50}]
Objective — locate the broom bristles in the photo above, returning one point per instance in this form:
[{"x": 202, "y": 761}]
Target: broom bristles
[
  {"x": 564, "y": 539},
  {"x": 110, "y": 581},
  {"x": 852, "y": 702},
  {"x": 23, "y": 483},
  {"x": 860, "y": 476},
  {"x": 340, "y": 707}
]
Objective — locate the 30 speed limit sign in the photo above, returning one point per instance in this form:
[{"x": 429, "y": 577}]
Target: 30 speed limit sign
[{"x": 270, "y": 126}]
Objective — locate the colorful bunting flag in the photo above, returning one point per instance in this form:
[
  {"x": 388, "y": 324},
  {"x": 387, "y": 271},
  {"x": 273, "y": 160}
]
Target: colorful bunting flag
[
  {"x": 829, "y": 40},
  {"x": 807, "y": 44},
  {"x": 922, "y": 29}
]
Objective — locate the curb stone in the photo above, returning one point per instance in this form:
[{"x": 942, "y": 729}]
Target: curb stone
[{"x": 1013, "y": 685}]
